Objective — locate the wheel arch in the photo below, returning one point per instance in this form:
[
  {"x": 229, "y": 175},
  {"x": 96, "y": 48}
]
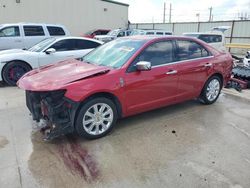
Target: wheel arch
[
  {"x": 16, "y": 60},
  {"x": 107, "y": 95},
  {"x": 214, "y": 74},
  {"x": 220, "y": 76}
]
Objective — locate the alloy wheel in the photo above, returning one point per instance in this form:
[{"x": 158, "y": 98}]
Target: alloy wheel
[
  {"x": 213, "y": 90},
  {"x": 98, "y": 118}
]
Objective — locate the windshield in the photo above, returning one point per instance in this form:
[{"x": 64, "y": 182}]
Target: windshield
[
  {"x": 39, "y": 47},
  {"x": 113, "y": 32},
  {"x": 115, "y": 53}
]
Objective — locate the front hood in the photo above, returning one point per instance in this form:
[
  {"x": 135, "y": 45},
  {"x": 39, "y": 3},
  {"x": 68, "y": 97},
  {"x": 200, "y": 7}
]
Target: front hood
[
  {"x": 14, "y": 51},
  {"x": 56, "y": 76}
]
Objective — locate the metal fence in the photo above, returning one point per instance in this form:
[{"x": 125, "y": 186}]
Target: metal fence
[{"x": 239, "y": 32}]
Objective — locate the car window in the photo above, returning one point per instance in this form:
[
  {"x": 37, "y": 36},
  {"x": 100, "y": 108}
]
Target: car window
[
  {"x": 104, "y": 32},
  {"x": 159, "y": 53},
  {"x": 128, "y": 33},
  {"x": 86, "y": 44},
  {"x": 168, "y": 33},
  {"x": 190, "y": 50},
  {"x": 55, "y": 31},
  {"x": 64, "y": 45},
  {"x": 97, "y": 33},
  {"x": 121, "y": 34},
  {"x": 150, "y": 33},
  {"x": 211, "y": 38},
  {"x": 12, "y": 31},
  {"x": 159, "y": 33},
  {"x": 33, "y": 31}
]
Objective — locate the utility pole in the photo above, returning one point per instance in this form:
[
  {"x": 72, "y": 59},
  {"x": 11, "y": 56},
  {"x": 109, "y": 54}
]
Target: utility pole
[
  {"x": 164, "y": 12},
  {"x": 170, "y": 13},
  {"x": 210, "y": 14}
]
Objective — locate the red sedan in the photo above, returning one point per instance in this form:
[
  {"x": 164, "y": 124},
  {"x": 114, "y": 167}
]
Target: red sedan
[{"x": 121, "y": 78}]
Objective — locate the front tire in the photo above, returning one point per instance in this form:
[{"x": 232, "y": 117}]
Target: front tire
[
  {"x": 13, "y": 71},
  {"x": 96, "y": 118},
  {"x": 211, "y": 90}
]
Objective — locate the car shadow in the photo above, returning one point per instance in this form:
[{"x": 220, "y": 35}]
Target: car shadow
[{"x": 168, "y": 111}]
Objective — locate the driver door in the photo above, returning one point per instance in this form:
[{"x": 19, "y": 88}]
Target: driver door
[{"x": 146, "y": 90}]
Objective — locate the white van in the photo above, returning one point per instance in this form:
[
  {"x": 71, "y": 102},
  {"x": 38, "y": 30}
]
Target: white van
[
  {"x": 215, "y": 37},
  {"x": 217, "y": 40},
  {"x": 25, "y": 35}
]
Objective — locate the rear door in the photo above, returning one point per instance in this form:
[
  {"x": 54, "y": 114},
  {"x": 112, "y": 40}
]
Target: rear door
[
  {"x": 158, "y": 87},
  {"x": 194, "y": 63},
  {"x": 55, "y": 31},
  {"x": 33, "y": 34},
  {"x": 10, "y": 37}
]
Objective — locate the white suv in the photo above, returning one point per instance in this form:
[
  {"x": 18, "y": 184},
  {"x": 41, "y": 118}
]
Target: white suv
[
  {"x": 25, "y": 35},
  {"x": 217, "y": 40},
  {"x": 215, "y": 37}
]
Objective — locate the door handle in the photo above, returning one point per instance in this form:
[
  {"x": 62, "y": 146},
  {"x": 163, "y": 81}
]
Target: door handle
[
  {"x": 18, "y": 41},
  {"x": 208, "y": 65},
  {"x": 172, "y": 72}
]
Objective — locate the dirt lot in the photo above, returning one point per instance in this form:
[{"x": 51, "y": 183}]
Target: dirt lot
[{"x": 187, "y": 145}]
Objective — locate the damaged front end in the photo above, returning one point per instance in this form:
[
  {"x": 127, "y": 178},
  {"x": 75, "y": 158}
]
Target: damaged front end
[{"x": 54, "y": 109}]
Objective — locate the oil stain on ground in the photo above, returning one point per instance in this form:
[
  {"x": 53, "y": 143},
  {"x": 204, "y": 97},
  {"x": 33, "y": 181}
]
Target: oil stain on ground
[
  {"x": 3, "y": 142},
  {"x": 61, "y": 162},
  {"x": 78, "y": 160}
]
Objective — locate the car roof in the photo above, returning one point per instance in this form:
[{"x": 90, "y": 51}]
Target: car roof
[
  {"x": 26, "y": 23},
  {"x": 157, "y": 37},
  {"x": 81, "y": 38},
  {"x": 203, "y": 33}
]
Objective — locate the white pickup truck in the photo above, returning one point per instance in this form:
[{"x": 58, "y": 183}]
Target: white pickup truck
[{"x": 25, "y": 35}]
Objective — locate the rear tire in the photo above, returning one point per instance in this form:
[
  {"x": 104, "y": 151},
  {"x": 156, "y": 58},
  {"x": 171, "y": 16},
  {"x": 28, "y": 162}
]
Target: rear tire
[
  {"x": 211, "y": 90},
  {"x": 96, "y": 118},
  {"x": 13, "y": 71}
]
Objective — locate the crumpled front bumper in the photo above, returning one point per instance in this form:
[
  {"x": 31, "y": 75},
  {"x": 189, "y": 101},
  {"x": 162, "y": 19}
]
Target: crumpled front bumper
[{"x": 55, "y": 110}]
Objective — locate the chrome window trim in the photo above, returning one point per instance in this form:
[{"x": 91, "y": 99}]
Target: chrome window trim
[{"x": 182, "y": 61}]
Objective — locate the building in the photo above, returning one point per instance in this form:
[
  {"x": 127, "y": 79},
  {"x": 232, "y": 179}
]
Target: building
[{"x": 78, "y": 16}]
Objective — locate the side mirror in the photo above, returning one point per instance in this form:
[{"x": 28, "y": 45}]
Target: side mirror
[
  {"x": 50, "y": 51},
  {"x": 143, "y": 66}
]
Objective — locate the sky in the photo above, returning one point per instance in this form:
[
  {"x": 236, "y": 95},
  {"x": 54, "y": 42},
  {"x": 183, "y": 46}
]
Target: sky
[{"x": 186, "y": 10}]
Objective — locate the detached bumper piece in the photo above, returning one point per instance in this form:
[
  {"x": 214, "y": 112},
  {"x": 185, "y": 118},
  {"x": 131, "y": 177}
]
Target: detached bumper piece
[
  {"x": 54, "y": 110},
  {"x": 241, "y": 78}
]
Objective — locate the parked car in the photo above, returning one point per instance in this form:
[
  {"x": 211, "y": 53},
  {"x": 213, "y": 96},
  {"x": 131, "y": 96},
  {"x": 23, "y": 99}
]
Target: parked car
[
  {"x": 217, "y": 40},
  {"x": 113, "y": 35},
  {"x": 93, "y": 33},
  {"x": 121, "y": 78},
  {"x": 25, "y": 35},
  {"x": 215, "y": 37},
  {"x": 150, "y": 32},
  {"x": 15, "y": 63}
]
